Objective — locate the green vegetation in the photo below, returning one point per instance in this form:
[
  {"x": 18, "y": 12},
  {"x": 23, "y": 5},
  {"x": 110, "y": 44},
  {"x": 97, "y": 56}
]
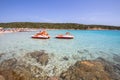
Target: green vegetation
[{"x": 56, "y": 26}]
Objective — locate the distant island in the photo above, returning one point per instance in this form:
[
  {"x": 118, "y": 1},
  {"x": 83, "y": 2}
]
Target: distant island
[{"x": 58, "y": 26}]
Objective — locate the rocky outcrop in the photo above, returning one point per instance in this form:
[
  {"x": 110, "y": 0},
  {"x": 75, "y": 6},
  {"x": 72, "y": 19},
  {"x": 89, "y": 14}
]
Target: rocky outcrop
[
  {"x": 11, "y": 69},
  {"x": 86, "y": 70},
  {"x": 99, "y": 69},
  {"x": 17, "y": 69},
  {"x": 111, "y": 68}
]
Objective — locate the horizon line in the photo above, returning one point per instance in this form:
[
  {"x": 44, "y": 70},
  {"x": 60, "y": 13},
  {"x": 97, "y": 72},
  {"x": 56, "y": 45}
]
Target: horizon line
[{"x": 60, "y": 23}]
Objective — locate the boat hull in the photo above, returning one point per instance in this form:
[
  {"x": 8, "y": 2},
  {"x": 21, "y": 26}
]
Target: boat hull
[
  {"x": 41, "y": 37},
  {"x": 64, "y": 37}
]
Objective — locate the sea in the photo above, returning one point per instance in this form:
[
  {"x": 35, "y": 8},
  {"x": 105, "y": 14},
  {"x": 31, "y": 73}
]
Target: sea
[{"x": 86, "y": 45}]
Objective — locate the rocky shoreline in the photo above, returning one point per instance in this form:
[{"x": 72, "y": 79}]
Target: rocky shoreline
[{"x": 19, "y": 69}]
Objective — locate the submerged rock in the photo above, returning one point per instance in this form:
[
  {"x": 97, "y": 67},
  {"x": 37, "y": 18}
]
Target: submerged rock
[
  {"x": 65, "y": 58},
  {"x": 98, "y": 69},
  {"x": 116, "y": 58},
  {"x": 86, "y": 70},
  {"x": 40, "y": 56},
  {"x": 1, "y": 54},
  {"x": 11, "y": 69},
  {"x": 53, "y": 78},
  {"x": 17, "y": 69},
  {"x": 111, "y": 68},
  {"x": 7, "y": 64}
]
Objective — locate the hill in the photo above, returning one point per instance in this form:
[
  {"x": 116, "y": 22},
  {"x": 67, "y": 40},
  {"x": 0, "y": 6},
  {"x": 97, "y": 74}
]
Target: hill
[{"x": 57, "y": 26}]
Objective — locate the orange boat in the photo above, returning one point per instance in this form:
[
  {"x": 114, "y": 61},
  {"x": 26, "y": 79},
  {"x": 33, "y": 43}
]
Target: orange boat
[
  {"x": 66, "y": 36},
  {"x": 41, "y": 35}
]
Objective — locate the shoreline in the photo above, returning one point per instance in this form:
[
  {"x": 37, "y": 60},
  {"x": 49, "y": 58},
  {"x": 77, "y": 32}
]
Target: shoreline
[{"x": 10, "y": 30}]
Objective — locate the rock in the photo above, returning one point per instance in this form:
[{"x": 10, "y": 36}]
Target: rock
[
  {"x": 111, "y": 68},
  {"x": 116, "y": 72},
  {"x": 2, "y": 54},
  {"x": 12, "y": 70},
  {"x": 10, "y": 63},
  {"x": 41, "y": 57},
  {"x": 53, "y": 78},
  {"x": 36, "y": 54},
  {"x": 86, "y": 70},
  {"x": 1, "y": 77},
  {"x": 116, "y": 58},
  {"x": 117, "y": 67},
  {"x": 65, "y": 58},
  {"x": 98, "y": 69}
]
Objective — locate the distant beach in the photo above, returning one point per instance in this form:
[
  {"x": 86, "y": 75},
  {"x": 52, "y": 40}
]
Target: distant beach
[{"x": 12, "y": 30}]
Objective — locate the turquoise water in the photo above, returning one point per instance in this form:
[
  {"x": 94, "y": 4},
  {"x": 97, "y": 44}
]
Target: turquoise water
[{"x": 87, "y": 44}]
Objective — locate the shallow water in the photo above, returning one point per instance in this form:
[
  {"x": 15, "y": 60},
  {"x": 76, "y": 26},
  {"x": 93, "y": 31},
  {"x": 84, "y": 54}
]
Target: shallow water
[{"x": 87, "y": 44}]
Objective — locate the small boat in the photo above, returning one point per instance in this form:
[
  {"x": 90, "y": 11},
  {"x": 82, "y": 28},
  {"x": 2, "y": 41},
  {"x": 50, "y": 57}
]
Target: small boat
[
  {"x": 40, "y": 36},
  {"x": 64, "y": 37}
]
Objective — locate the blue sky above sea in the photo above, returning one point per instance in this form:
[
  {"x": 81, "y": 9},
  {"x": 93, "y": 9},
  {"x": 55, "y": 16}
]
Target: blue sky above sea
[{"x": 101, "y": 12}]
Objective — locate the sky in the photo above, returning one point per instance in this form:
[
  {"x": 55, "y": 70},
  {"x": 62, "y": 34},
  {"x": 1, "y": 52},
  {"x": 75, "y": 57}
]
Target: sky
[{"x": 100, "y": 12}]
